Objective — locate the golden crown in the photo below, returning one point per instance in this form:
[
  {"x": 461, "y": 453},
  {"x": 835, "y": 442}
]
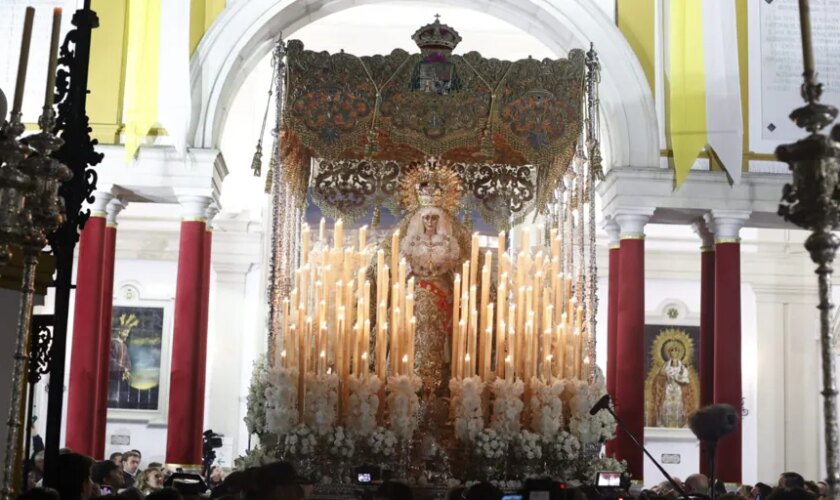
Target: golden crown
[
  {"x": 432, "y": 184},
  {"x": 436, "y": 37}
]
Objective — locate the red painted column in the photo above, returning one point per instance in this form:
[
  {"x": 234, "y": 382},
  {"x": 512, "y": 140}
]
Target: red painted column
[
  {"x": 205, "y": 315},
  {"x": 727, "y": 345},
  {"x": 84, "y": 355},
  {"x": 630, "y": 344},
  {"x": 613, "y": 231},
  {"x": 104, "y": 365},
  {"x": 707, "y": 325},
  {"x": 186, "y": 382}
]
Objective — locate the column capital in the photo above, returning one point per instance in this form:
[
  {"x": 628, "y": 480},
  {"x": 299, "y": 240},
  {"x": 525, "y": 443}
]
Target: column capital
[
  {"x": 704, "y": 232},
  {"x": 212, "y": 211},
  {"x": 726, "y": 224},
  {"x": 194, "y": 207},
  {"x": 115, "y": 206},
  {"x": 99, "y": 206},
  {"x": 632, "y": 222},
  {"x": 613, "y": 232}
]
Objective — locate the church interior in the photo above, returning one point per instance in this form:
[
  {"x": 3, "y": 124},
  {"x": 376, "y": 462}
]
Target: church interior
[{"x": 404, "y": 248}]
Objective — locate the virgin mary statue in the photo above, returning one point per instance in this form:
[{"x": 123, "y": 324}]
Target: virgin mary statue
[{"x": 434, "y": 244}]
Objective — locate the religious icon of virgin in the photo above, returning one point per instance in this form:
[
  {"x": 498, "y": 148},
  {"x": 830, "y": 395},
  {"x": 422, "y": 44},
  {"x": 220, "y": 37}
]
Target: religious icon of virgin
[{"x": 672, "y": 384}]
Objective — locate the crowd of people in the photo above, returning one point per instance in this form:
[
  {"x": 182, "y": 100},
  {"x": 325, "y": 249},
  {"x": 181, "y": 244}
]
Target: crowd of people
[{"x": 122, "y": 478}]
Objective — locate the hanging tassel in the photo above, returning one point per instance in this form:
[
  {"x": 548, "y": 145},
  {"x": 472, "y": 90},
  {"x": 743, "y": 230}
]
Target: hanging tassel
[
  {"x": 372, "y": 145},
  {"x": 377, "y": 217},
  {"x": 468, "y": 221},
  {"x": 256, "y": 161},
  {"x": 487, "y": 147}
]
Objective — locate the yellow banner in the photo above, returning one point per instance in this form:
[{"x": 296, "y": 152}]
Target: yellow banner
[
  {"x": 202, "y": 15},
  {"x": 687, "y": 85},
  {"x": 142, "y": 68}
]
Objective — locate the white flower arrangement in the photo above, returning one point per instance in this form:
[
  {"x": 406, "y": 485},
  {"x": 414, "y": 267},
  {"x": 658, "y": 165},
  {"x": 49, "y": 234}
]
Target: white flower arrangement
[
  {"x": 564, "y": 447},
  {"x": 341, "y": 443},
  {"x": 589, "y": 429},
  {"x": 300, "y": 442},
  {"x": 321, "y": 406},
  {"x": 363, "y": 404},
  {"x": 281, "y": 392},
  {"x": 489, "y": 444},
  {"x": 255, "y": 457},
  {"x": 469, "y": 420},
  {"x": 528, "y": 445},
  {"x": 382, "y": 442},
  {"x": 602, "y": 464},
  {"x": 546, "y": 407},
  {"x": 403, "y": 404},
  {"x": 255, "y": 415},
  {"x": 507, "y": 406}
]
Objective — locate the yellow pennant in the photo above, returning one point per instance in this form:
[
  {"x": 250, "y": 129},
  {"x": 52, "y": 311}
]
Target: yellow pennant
[
  {"x": 142, "y": 68},
  {"x": 687, "y": 89}
]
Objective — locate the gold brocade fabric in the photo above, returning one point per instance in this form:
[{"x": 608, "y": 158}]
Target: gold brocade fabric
[{"x": 343, "y": 107}]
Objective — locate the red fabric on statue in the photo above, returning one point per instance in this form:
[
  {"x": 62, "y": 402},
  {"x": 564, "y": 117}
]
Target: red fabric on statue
[
  {"x": 104, "y": 368},
  {"x": 727, "y": 355},
  {"x": 83, "y": 386},
  {"x": 186, "y": 383},
  {"x": 630, "y": 376},
  {"x": 612, "y": 331},
  {"x": 707, "y": 338}
]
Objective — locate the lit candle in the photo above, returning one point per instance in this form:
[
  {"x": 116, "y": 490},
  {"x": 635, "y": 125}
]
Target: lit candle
[
  {"x": 461, "y": 350},
  {"x": 23, "y": 62},
  {"x": 362, "y": 238},
  {"x": 49, "y": 96},
  {"x": 513, "y": 352},
  {"x": 364, "y": 370},
  {"x": 546, "y": 368},
  {"x": 508, "y": 370},
  {"x": 304, "y": 252},
  {"x": 456, "y": 318},
  {"x": 339, "y": 234},
  {"x": 412, "y": 326},
  {"x": 395, "y": 256},
  {"x": 501, "y": 330},
  {"x": 322, "y": 231},
  {"x": 283, "y": 358},
  {"x": 474, "y": 260},
  {"x": 501, "y": 245},
  {"x": 366, "y": 346},
  {"x": 468, "y": 365}
]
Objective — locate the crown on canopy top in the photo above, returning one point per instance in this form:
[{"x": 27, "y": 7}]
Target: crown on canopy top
[{"x": 436, "y": 37}]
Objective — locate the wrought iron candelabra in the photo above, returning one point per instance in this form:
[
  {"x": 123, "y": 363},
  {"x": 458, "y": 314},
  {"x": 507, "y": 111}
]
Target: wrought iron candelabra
[
  {"x": 30, "y": 208},
  {"x": 812, "y": 201}
]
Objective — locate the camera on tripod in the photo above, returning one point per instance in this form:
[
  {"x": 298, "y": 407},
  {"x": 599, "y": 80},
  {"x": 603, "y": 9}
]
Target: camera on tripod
[{"x": 212, "y": 440}]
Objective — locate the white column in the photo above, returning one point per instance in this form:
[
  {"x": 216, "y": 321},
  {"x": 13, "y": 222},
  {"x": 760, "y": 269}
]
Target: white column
[
  {"x": 113, "y": 210},
  {"x": 632, "y": 221},
  {"x": 613, "y": 231}
]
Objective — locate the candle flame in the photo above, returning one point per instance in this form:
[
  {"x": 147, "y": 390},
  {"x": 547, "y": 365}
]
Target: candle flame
[
  {"x": 508, "y": 359},
  {"x": 323, "y": 354},
  {"x": 550, "y": 357},
  {"x": 405, "y": 358},
  {"x": 364, "y": 356},
  {"x": 283, "y": 353},
  {"x": 467, "y": 357}
]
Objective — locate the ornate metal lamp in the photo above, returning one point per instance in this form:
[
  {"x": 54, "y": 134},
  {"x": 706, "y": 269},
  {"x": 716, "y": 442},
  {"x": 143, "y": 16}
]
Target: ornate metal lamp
[
  {"x": 812, "y": 201},
  {"x": 13, "y": 186}
]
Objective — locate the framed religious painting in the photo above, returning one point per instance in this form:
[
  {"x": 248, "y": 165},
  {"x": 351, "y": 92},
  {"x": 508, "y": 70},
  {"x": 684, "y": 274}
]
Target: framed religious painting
[
  {"x": 672, "y": 358},
  {"x": 139, "y": 357}
]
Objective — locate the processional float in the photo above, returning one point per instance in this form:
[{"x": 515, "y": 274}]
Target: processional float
[{"x": 425, "y": 344}]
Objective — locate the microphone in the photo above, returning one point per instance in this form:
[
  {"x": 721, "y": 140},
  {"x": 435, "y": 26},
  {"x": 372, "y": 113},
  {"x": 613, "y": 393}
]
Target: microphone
[{"x": 602, "y": 404}]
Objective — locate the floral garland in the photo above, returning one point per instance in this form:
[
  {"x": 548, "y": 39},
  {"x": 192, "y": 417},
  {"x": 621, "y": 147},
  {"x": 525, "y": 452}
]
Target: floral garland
[
  {"x": 546, "y": 407},
  {"x": 300, "y": 442},
  {"x": 403, "y": 404},
  {"x": 469, "y": 420},
  {"x": 528, "y": 446},
  {"x": 589, "y": 429},
  {"x": 507, "y": 406},
  {"x": 321, "y": 409},
  {"x": 489, "y": 445},
  {"x": 382, "y": 442},
  {"x": 255, "y": 415},
  {"x": 340, "y": 443},
  {"x": 363, "y": 404},
  {"x": 563, "y": 447},
  {"x": 281, "y": 393}
]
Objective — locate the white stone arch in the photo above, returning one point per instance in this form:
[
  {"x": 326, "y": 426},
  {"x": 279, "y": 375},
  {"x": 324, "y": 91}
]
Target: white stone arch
[{"x": 244, "y": 33}]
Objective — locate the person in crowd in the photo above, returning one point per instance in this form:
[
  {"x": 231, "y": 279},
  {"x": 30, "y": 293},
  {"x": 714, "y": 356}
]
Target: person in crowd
[
  {"x": 216, "y": 476},
  {"x": 155, "y": 465},
  {"x": 37, "y": 440},
  {"x": 812, "y": 487},
  {"x": 74, "y": 481},
  {"x": 456, "y": 493},
  {"x": 392, "y": 490},
  {"x": 39, "y": 494},
  {"x": 761, "y": 491},
  {"x": 107, "y": 476},
  {"x": 287, "y": 492},
  {"x": 483, "y": 491},
  {"x": 791, "y": 493},
  {"x": 165, "y": 494},
  {"x": 36, "y": 470},
  {"x": 117, "y": 458},
  {"x": 823, "y": 487},
  {"x": 791, "y": 480},
  {"x": 131, "y": 467},
  {"x": 697, "y": 484},
  {"x": 745, "y": 491},
  {"x": 149, "y": 481}
]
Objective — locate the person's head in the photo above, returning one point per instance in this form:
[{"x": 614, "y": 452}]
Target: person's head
[
  {"x": 106, "y": 473},
  {"x": 791, "y": 480},
  {"x": 761, "y": 491},
  {"x": 823, "y": 487},
  {"x": 38, "y": 459},
  {"x": 155, "y": 465},
  {"x": 793, "y": 493},
  {"x": 139, "y": 455},
  {"x": 812, "y": 487},
  {"x": 483, "y": 491},
  {"x": 150, "y": 480},
  {"x": 269, "y": 476},
  {"x": 39, "y": 494},
  {"x": 131, "y": 461},
  {"x": 74, "y": 477},
  {"x": 697, "y": 483},
  {"x": 216, "y": 474},
  {"x": 117, "y": 458},
  {"x": 391, "y": 490}
]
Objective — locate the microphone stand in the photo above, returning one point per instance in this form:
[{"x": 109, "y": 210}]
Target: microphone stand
[{"x": 670, "y": 479}]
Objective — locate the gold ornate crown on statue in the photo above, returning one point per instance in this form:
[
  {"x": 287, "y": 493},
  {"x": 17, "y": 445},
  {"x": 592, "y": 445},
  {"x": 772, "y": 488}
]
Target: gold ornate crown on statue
[
  {"x": 436, "y": 37},
  {"x": 432, "y": 184}
]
